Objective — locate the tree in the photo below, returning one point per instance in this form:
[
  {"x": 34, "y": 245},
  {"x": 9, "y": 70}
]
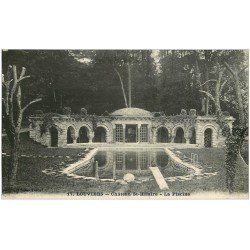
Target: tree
[
  {"x": 235, "y": 139},
  {"x": 122, "y": 86},
  {"x": 219, "y": 85},
  {"x": 235, "y": 74},
  {"x": 13, "y": 113}
]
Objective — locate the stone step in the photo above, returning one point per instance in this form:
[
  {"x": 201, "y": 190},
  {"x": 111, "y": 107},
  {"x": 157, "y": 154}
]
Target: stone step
[{"x": 159, "y": 178}]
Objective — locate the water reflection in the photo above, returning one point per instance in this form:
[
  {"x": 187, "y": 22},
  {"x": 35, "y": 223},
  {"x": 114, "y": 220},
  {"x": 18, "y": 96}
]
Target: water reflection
[{"x": 115, "y": 163}]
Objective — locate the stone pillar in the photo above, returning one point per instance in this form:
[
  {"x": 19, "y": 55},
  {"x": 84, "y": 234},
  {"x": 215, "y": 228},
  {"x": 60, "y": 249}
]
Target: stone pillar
[
  {"x": 172, "y": 138},
  {"x": 187, "y": 140},
  {"x": 139, "y": 133},
  {"x": 91, "y": 136},
  {"x": 149, "y": 134},
  {"x": 124, "y": 132},
  {"x": 114, "y": 134},
  {"x": 199, "y": 135},
  {"x": 153, "y": 135},
  {"x": 114, "y": 130},
  {"x": 215, "y": 135},
  {"x": 62, "y": 137}
]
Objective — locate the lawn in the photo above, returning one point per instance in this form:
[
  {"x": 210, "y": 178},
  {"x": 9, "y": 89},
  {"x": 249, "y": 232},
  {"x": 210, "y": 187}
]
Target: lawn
[
  {"x": 34, "y": 158},
  {"x": 212, "y": 160},
  {"x": 30, "y": 176}
]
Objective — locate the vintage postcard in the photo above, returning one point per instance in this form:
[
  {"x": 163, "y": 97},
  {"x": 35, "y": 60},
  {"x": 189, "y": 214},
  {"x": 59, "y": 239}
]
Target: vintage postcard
[{"x": 125, "y": 124}]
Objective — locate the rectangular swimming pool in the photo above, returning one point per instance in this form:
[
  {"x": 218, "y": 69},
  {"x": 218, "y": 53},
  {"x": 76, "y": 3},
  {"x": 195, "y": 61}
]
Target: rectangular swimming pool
[{"x": 114, "y": 163}]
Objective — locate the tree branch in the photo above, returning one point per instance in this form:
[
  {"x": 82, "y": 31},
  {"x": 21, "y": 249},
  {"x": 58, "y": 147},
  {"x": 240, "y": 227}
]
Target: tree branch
[
  {"x": 208, "y": 94},
  {"x": 30, "y": 103},
  {"x": 4, "y": 84},
  {"x": 22, "y": 73},
  {"x": 13, "y": 89},
  {"x": 24, "y": 77},
  {"x": 211, "y": 80},
  {"x": 123, "y": 91},
  {"x": 229, "y": 68},
  {"x": 14, "y": 73},
  {"x": 223, "y": 85},
  {"x": 7, "y": 83},
  {"x": 243, "y": 69},
  {"x": 9, "y": 73}
]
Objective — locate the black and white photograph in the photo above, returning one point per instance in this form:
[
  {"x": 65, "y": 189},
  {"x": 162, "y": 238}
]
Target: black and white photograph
[
  {"x": 166, "y": 124},
  {"x": 125, "y": 124}
]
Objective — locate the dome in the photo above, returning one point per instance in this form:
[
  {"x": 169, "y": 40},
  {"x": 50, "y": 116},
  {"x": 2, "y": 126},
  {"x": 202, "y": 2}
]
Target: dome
[{"x": 132, "y": 112}]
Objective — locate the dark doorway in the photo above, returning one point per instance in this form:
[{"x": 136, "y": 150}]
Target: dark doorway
[
  {"x": 70, "y": 135},
  {"x": 162, "y": 135},
  {"x": 83, "y": 135},
  {"x": 179, "y": 137},
  {"x": 131, "y": 131},
  {"x": 193, "y": 136},
  {"x": 208, "y": 138},
  {"x": 53, "y": 137},
  {"x": 100, "y": 135}
]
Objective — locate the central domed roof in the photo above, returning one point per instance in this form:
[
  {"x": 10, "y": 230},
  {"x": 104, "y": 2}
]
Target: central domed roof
[{"x": 132, "y": 112}]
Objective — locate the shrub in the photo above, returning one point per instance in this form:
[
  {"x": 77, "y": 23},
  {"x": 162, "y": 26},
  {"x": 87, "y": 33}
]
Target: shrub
[{"x": 66, "y": 111}]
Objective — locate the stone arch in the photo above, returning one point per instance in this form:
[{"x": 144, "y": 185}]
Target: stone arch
[
  {"x": 83, "y": 134},
  {"x": 108, "y": 130},
  {"x": 179, "y": 134},
  {"x": 162, "y": 134},
  {"x": 71, "y": 134},
  {"x": 209, "y": 133},
  {"x": 54, "y": 134},
  {"x": 174, "y": 129},
  {"x": 83, "y": 124},
  {"x": 191, "y": 135},
  {"x": 100, "y": 134}
]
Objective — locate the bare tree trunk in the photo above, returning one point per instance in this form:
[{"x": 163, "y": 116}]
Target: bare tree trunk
[
  {"x": 123, "y": 91},
  {"x": 14, "y": 159},
  {"x": 129, "y": 86},
  {"x": 206, "y": 79},
  {"x": 217, "y": 90},
  {"x": 235, "y": 76},
  {"x": 13, "y": 113},
  {"x": 239, "y": 98},
  {"x": 198, "y": 80},
  {"x": 234, "y": 141},
  {"x": 217, "y": 93}
]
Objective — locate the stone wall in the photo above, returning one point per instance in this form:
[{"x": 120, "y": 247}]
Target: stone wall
[{"x": 200, "y": 124}]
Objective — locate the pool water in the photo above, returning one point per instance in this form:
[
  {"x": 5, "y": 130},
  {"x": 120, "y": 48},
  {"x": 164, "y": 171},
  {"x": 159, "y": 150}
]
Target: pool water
[{"x": 114, "y": 163}]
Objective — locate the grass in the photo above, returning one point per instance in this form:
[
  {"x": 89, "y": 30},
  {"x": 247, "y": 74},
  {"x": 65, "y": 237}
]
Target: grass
[
  {"x": 212, "y": 160},
  {"x": 244, "y": 151},
  {"x": 31, "y": 179}
]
